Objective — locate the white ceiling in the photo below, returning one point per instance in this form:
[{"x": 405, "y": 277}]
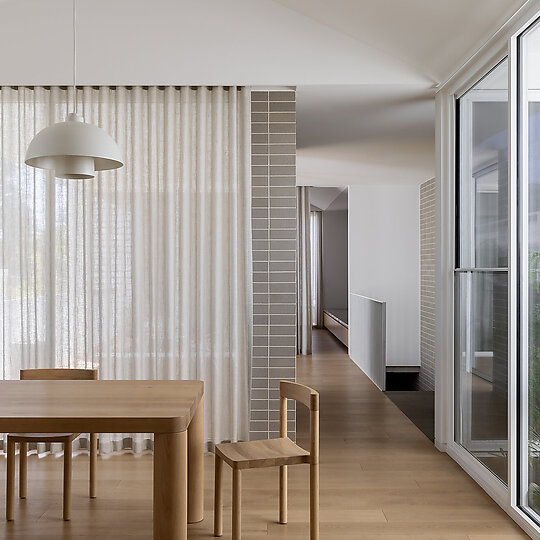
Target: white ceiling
[
  {"x": 433, "y": 36},
  {"x": 194, "y": 42},
  {"x": 341, "y": 202},
  {"x": 365, "y": 134},
  {"x": 386, "y": 133},
  {"x": 325, "y": 198},
  {"x": 365, "y": 69}
]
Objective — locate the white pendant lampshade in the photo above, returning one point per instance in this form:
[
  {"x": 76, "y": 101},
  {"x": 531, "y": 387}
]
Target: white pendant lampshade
[{"x": 73, "y": 149}]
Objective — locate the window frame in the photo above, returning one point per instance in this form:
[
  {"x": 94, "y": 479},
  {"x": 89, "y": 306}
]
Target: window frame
[
  {"x": 463, "y": 393},
  {"x": 503, "y": 43},
  {"x": 522, "y": 276}
]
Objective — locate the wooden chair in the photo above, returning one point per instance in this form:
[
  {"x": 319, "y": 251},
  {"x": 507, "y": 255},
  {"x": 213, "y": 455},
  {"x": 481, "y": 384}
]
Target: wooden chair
[
  {"x": 66, "y": 438},
  {"x": 280, "y": 452}
]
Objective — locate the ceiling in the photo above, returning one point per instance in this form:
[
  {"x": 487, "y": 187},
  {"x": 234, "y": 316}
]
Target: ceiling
[
  {"x": 364, "y": 134},
  {"x": 329, "y": 198},
  {"x": 365, "y": 70},
  {"x": 432, "y": 36},
  {"x": 341, "y": 202},
  {"x": 354, "y": 134},
  {"x": 192, "y": 42}
]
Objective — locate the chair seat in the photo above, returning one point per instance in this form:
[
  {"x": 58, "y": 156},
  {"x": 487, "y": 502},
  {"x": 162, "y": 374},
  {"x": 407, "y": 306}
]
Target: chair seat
[
  {"x": 265, "y": 453},
  {"x": 42, "y": 437}
]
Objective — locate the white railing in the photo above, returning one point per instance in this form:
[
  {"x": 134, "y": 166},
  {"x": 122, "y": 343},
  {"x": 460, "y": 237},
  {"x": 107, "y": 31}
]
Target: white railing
[{"x": 367, "y": 337}]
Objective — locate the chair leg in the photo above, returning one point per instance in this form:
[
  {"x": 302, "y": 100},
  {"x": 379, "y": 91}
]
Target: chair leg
[
  {"x": 68, "y": 449},
  {"x": 23, "y": 455},
  {"x": 10, "y": 484},
  {"x": 283, "y": 494},
  {"x": 93, "y": 465},
  {"x": 237, "y": 505},
  {"x": 218, "y": 497},
  {"x": 314, "y": 501}
]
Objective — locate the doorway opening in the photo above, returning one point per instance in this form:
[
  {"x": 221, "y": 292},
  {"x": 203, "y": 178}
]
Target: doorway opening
[{"x": 329, "y": 214}]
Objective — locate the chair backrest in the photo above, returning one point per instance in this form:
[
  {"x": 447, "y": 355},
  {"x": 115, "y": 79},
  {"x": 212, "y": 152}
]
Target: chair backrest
[
  {"x": 58, "y": 374},
  {"x": 308, "y": 397}
]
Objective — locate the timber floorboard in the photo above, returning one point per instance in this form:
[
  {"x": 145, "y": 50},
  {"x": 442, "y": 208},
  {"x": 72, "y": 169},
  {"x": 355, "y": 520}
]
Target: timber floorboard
[{"x": 381, "y": 479}]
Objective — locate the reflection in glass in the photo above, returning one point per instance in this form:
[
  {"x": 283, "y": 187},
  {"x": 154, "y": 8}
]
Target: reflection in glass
[
  {"x": 481, "y": 367},
  {"x": 481, "y": 288},
  {"x": 530, "y": 174}
]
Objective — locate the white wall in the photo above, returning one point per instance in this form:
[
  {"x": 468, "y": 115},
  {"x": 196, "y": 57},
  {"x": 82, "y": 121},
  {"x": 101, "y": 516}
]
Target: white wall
[
  {"x": 384, "y": 261},
  {"x": 334, "y": 259}
]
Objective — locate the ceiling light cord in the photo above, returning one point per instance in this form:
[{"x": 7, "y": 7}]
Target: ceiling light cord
[
  {"x": 73, "y": 148},
  {"x": 74, "y": 55}
]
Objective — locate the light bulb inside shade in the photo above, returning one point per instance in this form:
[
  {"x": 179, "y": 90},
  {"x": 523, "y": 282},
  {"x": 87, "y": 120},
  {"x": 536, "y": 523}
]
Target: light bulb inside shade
[{"x": 73, "y": 149}]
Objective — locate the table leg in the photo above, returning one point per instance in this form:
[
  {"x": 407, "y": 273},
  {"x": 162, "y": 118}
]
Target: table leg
[
  {"x": 93, "y": 465},
  {"x": 23, "y": 469},
  {"x": 170, "y": 486},
  {"x": 196, "y": 465},
  {"x": 10, "y": 484}
]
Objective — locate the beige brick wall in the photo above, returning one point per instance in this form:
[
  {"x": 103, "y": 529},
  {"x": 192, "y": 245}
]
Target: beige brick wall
[
  {"x": 273, "y": 138},
  {"x": 426, "y": 379}
]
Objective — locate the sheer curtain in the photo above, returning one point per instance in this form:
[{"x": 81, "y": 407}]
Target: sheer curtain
[
  {"x": 303, "y": 253},
  {"x": 145, "y": 272}
]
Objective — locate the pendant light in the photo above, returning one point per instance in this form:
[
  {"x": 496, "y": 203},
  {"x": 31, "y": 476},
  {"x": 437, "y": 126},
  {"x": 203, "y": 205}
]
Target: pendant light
[{"x": 73, "y": 149}]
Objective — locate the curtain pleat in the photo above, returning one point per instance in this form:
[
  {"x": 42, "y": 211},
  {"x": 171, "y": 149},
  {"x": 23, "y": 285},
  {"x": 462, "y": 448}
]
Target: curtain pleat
[
  {"x": 303, "y": 251},
  {"x": 143, "y": 272}
]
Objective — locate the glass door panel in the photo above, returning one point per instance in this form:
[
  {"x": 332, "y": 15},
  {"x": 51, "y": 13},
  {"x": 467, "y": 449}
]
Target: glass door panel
[
  {"x": 529, "y": 192},
  {"x": 482, "y": 367},
  {"x": 481, "y": 284}
]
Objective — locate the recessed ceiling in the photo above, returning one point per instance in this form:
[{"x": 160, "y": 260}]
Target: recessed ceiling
[
  {"x": 324, "y": 198},
  {"x": 365, "y": 134},
  {"x": 335, "y": 114}
]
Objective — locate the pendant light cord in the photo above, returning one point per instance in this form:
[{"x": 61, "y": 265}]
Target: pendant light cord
[{"x": 74, "y": 55}]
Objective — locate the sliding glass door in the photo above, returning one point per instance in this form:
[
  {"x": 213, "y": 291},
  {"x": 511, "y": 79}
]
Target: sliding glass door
[
  {"x": 529, "y": 195},
  {"x": 481, "y": 273},
  {"x": 489, "y": 257}
]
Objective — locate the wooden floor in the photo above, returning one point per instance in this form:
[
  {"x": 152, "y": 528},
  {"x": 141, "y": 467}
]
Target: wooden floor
[
  {"x": 418, "y": 406},
  {"x": 381, "y": 478}
]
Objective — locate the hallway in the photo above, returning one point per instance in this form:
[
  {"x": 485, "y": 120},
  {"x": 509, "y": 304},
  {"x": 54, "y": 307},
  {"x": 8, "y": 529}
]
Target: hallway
[{"x": 381, "y": 479}]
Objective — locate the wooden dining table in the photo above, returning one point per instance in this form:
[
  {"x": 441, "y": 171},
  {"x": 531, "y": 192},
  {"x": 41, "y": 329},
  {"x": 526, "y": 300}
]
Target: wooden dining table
[{"x": 172, "y": 410}]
